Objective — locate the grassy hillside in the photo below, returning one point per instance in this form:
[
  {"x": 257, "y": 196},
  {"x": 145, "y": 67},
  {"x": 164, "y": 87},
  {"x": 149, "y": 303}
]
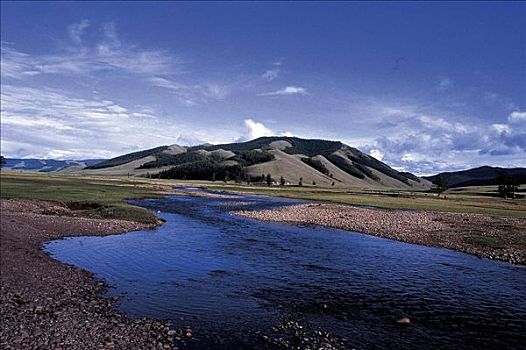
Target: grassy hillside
[
  {"x": 365, "y": 160},
  {"x": 292, "y": 168},
  {"x": 298, "y": 146},
  {"x": 289, "y": 157},
  {"x": 316, "y": 164},
  {"x": 482, "y": 176},
  {"x": 128, "y": 158},
  {"x": 341, "y": 162}
]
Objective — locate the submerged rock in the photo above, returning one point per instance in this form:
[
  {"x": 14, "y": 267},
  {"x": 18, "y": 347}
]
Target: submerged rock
[{"x": 403, "y": 321}]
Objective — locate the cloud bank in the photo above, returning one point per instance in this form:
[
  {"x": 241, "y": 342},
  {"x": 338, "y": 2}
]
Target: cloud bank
[
  {"x": 426, "y": 144},
  {"x": 53, "y": 124}
]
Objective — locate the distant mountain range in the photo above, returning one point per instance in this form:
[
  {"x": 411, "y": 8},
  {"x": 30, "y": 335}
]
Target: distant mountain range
[
  {"x": 311, "y": 162},
  {"x": 47, "y": 165},
  {"x": 482, "y": 176}
]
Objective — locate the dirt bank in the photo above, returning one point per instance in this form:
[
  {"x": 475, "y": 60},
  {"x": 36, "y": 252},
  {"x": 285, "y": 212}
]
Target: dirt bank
[
  {"x": 501, "y": 238},
  {"x": 48, "y": 305}
]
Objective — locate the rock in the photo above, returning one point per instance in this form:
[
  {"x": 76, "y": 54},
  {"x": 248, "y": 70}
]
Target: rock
[{"x": 403, "y": 321}]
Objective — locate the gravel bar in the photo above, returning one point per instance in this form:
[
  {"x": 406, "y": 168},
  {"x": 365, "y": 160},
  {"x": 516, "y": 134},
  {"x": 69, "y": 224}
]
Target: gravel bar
[
  {"x": 45, "y": 304},
  {"x": 493, "y": 237}
]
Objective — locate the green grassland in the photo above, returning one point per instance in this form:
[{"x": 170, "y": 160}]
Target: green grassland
[
  {"x": 480, "y": 200},
  {"x": 105, "y": 196}
]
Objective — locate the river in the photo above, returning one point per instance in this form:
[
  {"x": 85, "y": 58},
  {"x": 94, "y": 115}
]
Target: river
[{"x": 242, "y": 284}]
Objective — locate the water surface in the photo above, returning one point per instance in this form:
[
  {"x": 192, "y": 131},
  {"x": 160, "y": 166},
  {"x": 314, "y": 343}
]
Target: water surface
[{"x": 232, "y": 279}]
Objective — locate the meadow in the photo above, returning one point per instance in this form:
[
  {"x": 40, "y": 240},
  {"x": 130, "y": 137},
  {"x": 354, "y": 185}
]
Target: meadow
[
  {"x": 106, "y": 196},
  {"x": 103, "y": 198}
]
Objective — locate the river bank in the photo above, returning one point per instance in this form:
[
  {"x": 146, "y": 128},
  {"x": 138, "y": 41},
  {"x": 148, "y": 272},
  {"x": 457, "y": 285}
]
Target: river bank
[
  {"x": 46, "y": 304},
  {"x": 493, "y": 237}
]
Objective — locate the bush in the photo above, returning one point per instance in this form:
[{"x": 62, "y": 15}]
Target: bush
[
  {"x": 440, "y": 185},
  {"x": 164, "y": 159},
  {"x": 346, "y": 166},
  {"x": 316, "y": 164},
  {"x": 203, "y": 170},
  {"x": 373, "y": 163},
  {"x": 252, "y": 157},
  {"x": 507, "y": 186}
]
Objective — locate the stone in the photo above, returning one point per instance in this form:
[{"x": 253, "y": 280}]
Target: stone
[{"x": 403, "y": 321}]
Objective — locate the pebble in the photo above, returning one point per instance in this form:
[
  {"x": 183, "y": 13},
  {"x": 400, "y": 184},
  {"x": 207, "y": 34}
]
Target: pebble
[{"x": 403, "y": 321}]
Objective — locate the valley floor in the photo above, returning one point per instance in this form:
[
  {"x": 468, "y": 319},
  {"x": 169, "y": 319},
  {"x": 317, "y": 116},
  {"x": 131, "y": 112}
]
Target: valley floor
[
  {"x": 45, "y": 304},
  {"x": 494, "y": 237}
]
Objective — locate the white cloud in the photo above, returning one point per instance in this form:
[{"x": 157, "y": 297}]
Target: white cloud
[
  {"x": 376, "y": 154},
  {"x": 271, "y": 74},
  {"x": 167, "y": 84},
  {"x": 256, "y": 129},
  {"x": 107, "y": 54},
  {"x": 45, "y": 123},
  {"x": 289, "y": 90},
  {"x": 212, "y": 90},
  {"x": 517, "y": 117},
  {"x": 428, "y": 144},
  {"x": 158, "y": 68},
  {"x": 501, "y": 128},
  {"x": 77, "y": 29},
  {"x": 111, "y": 33},
  {"x": 188, "y": 140},
  {"x": 181, "y": 91},
  {"x": 192, "y": 94},
  {"x": 15, "y": 64}
]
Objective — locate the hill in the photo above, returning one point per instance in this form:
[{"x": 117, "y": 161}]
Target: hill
[
  {"x": 313, "y": 162},
  {"x": 482, "y": 176},
  {"x": 46, "y": 165}
]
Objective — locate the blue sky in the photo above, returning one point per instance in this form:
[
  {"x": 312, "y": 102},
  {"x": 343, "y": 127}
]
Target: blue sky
[{"x": 425, "y": 87}]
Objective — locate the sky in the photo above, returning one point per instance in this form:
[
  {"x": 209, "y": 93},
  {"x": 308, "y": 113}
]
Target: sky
[{"x": 423, "y": 86}]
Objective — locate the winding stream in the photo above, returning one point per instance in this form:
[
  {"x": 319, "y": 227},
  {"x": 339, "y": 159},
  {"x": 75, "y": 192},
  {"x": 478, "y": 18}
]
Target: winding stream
[{"x": 231, "y": 280}]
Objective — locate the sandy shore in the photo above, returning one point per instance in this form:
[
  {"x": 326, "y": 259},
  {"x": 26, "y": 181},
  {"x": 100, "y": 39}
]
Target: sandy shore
[
  {"x": 48, "y": 305},
  {"x": 502, "y": 238}
]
